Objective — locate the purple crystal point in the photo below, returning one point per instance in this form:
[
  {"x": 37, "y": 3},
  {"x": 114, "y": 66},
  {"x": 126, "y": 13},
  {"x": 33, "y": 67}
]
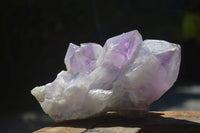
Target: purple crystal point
[
  {"x": 155, "y": 69},
  {"x": 119, "y": 49},
  {"x": 70, "y": 52},
  {"x": 126, "y": 75},
  {"x": 82, "y": 59}
]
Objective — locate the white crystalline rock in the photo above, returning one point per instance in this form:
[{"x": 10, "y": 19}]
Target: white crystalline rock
[{"x": 126, "y": 75}]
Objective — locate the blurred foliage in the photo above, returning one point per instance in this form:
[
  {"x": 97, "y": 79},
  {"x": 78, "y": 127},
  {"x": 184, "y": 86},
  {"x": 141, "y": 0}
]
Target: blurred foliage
[{"x": 191, "y": 26}]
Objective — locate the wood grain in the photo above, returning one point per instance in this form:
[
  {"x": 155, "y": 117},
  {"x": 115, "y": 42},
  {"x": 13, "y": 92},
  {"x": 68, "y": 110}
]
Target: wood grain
[{"x": 153, "y": 122}]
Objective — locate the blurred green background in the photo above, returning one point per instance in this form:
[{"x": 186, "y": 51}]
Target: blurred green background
[{"x": 35, "y": 36}]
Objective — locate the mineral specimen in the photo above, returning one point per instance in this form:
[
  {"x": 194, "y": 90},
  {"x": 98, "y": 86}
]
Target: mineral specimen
[{"x": 126, "y": 75}]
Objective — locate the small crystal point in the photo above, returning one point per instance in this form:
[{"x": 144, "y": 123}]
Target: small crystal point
[
  {"x": 82, "y": 59},
  {"x": 125, "y": 76}
]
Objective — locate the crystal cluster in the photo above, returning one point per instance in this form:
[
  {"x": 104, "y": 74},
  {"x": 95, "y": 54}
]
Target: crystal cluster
[{"x": 126, "y": 75}]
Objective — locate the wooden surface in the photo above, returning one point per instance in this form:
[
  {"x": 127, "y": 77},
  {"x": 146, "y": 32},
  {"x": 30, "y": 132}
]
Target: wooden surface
[{"x": 153, "y": 122}]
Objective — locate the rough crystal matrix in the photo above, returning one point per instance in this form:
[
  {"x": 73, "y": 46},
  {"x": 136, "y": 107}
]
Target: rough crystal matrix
[{"x": 126, "y": 75}]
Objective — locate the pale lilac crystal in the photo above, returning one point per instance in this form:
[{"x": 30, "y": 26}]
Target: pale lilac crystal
[
  {"x": 126, "y": 75},
  {"x": 116, "y": 52},
  {"x": 82, "y": 59}
]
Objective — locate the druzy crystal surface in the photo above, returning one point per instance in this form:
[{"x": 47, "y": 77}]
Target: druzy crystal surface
[{"x": 126, "y": 75}]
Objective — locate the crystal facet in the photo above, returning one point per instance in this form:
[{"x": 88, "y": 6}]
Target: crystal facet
[{"x": 126, "y": 75}]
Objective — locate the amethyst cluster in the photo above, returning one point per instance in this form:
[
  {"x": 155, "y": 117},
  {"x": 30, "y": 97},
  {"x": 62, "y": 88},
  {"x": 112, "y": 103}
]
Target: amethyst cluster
[{"x": 126, "y": 75}]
